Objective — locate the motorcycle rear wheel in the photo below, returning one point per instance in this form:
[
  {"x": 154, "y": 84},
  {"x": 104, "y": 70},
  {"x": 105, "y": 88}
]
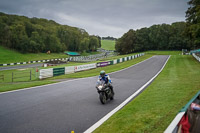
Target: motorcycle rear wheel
[{"x": 112, "y": 97}]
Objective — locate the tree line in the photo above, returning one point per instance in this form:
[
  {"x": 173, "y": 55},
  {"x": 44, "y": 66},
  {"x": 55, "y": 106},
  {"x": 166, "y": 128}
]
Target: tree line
[
  {"x": 108, "y": 38},
  {"x": 41, "y": 35},
  {"x": 177, "y": 36}
]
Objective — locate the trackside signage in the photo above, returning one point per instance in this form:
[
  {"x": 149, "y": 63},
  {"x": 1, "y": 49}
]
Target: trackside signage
[
  {"x": 46, "y": 73},
  {"x": 85, "y": 67},
  {"x": 102, "y": 64},
  {"x": 69, "y": 69}
]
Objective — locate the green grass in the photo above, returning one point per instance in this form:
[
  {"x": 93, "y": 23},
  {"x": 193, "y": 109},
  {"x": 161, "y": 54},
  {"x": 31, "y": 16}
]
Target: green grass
[
  {"x": 19, "y": 75},
  {"x": 108, "y": 44},
  {"x": 21, "y": 85},
  {"x": 154, "y": 109},
  {"x": 8, "y": 85},
  {"x": 164, "y": 52},
  {"x": 12, "y": 56},
  {"x": 91, "y": 53}
]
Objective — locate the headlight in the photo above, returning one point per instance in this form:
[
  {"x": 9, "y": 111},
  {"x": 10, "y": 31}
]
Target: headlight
[{"x": 100, "y": 87}]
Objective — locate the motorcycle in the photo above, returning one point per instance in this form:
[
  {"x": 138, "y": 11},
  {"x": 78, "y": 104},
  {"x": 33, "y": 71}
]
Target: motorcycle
[{"x": 105, "y": 92}]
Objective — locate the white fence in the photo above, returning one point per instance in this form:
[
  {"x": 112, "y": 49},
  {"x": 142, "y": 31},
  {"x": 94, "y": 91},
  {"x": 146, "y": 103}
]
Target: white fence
[{"x": 196, "y": 57}]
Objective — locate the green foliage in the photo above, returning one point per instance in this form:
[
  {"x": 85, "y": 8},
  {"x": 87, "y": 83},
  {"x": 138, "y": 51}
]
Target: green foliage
[
  {"x": 193, "y": 23},
  {"x": 93, "y": 43},
  {"x": 126, "y": 44},
  {"x": 40, "y": 35},
  {"x": 156, "y": 37},
  {"x": 84, "y": 45}
]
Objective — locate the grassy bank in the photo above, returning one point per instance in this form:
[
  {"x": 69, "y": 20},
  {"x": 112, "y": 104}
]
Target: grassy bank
[
  {"x": 7, "y": 85},
  {"x": 155, "y": 108},
  {"x": 108, "y": 44},
  {"x": 12, "y": 56}
]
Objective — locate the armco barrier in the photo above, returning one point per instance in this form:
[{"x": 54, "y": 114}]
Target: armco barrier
[
  {"x": 85, "y": 67},
  {"x": 196, "y": 57},
  {"x": 46, "y": 73},
  {"x": 103, "y": 64},
  {"x": 58, "y": 71},
  {"x": 118, "y": 60},
  {"x": 125, "y": 58},
  {"x": 173, "y": 127},
  {"x": 114, "y": 61},
  {"x": 30, "y": 62},
  {"x": 69, "y": 69},
  {"x": 121, "y": 60},
  {"x": 111, "y": 62}
]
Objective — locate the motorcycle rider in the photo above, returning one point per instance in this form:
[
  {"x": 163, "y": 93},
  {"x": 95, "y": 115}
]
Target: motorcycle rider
[{"x": 106, "y": 78}]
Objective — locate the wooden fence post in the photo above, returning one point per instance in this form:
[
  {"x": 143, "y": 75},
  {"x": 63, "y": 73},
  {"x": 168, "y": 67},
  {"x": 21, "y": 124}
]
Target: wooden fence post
[
  {"x": 30, "y": 74},
  {"x": 12, "y": 76}
]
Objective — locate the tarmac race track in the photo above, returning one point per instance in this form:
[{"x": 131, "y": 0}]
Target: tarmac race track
[{"x": 71, "y": 105}]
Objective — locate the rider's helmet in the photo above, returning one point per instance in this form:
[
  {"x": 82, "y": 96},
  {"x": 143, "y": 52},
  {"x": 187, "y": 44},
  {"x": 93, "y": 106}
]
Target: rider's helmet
[{"x": 102, "y": 73}]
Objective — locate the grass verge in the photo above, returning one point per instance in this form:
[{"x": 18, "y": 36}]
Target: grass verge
[
  {"x": 164, "y": 52},
  {"x": 154, "y": 109}
]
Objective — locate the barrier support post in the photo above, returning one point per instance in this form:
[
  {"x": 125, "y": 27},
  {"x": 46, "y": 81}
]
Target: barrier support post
[
  {"x": 12, "y": 76},
  {"x": 30, "y": 74}
]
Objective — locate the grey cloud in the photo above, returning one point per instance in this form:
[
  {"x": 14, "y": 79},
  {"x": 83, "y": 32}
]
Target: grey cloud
[{"x": 101, "y": 17}]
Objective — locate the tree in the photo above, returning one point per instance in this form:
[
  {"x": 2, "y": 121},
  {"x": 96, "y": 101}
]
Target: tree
[
  {"x": 156, "y": 37},
  {"x": 39, "y": 35},
  {"x": 84, "y": 45},
  {"x": 142, "y": 42},
  {"x": 37, "y": 42},
  {"x": 126, "y": 44},
  {"x": 193, "y": 23},
  {"x": 93, "y": 43}
]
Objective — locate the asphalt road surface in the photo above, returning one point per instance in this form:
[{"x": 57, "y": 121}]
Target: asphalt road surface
[
  {"x": 21, "y": 66},
  {"x": 71, "y": 105}
]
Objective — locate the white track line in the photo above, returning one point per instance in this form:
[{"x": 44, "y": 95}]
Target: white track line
[
  {"x": 102, "y": 120},
  {"x": 70, "y": 80}
]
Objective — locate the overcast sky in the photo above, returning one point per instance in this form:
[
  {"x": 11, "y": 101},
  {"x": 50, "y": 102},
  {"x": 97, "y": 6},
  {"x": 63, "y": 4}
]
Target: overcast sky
[{"x": 101, "y": 17}]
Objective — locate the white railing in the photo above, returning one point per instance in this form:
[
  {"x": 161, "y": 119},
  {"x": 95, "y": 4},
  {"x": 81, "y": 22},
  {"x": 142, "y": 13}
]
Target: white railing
[{"x": 196, "y": 57}]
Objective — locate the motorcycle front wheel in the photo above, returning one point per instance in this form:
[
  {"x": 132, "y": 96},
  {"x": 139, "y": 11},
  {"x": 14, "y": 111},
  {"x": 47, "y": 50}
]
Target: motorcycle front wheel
[{"x": 102, "y": 97}]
